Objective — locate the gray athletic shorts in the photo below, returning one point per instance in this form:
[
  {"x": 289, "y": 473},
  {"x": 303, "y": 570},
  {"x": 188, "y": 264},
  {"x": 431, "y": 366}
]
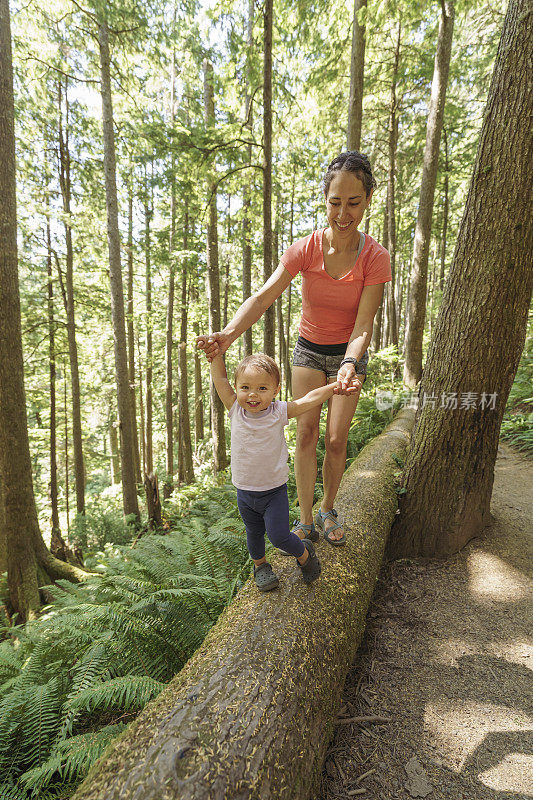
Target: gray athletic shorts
[{"x": 303, "y": 356}]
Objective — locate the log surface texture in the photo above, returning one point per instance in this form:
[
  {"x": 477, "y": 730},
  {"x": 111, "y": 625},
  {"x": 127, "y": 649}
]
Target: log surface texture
[{"x": 252, "y": 712}]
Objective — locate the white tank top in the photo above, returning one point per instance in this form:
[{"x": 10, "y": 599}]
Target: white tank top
[{"x": 258, "y": 448}]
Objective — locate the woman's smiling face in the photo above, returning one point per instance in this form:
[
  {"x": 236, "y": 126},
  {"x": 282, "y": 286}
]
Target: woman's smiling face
[{"x": 346, "y": 203}]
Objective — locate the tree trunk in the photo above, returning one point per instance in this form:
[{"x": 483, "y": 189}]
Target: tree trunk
[
  {"x": 269, "y": 342},
  {"x": 391, "y": 213},
  {"x": 416, "y": 310},
  {"x": 169, "y": 390},
  {"x": 445, "y": 210},
  {"x": 357, "y": 72},
  {"x": 246, "y": 194},
  {"x": 26, "y": 550},
  {"x": 184, "y": 418},
  {"x": 153, "y": 501},
  {"x": 252, "y": 712},
  {"x": 213, "y": 282},
  {"x": 131, "y": 338},
  {"x": 67, "y": 473},
  {"x": 149, "y": 347},
  {"x": 127, "y": 455},
  {"x": 198, "y": 394},
  {"x": 65, "y": 184},
  {"x": 114, "y": 457},
  {"x": 480, "y": 329},
  {"x": 288, "y": 363},
  {"x": 141, "y": 408},
  {"x": 52, "y": 365}
]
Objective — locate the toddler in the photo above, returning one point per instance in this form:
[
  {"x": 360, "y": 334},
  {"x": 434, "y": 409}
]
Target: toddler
[{"x": 259, "y": 454}]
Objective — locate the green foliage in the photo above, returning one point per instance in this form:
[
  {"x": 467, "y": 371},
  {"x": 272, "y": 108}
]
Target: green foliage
[{"x": 71, "y": 680}]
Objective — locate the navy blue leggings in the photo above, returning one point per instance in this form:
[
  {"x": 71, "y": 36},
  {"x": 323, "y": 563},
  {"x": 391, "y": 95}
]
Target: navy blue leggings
[{"x": 268, "y": 511}]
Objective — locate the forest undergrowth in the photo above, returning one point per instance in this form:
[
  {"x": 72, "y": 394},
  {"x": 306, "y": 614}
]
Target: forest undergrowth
[{"x": 73, "y": 679}]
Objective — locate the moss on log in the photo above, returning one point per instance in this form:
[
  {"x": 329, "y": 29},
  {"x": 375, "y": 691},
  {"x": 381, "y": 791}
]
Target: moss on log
[{"x": 252, "y": 712}]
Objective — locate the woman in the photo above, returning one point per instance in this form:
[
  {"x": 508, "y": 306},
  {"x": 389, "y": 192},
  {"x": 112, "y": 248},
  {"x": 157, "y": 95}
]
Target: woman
[{"x": 343, "y": 275}]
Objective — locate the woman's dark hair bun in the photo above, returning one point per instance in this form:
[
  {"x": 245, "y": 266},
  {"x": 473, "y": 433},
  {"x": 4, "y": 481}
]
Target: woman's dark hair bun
[{"x": 351, "y": 161}]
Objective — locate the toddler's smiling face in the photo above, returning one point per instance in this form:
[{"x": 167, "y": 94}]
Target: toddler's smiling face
[{"x": 255, "y": 389}]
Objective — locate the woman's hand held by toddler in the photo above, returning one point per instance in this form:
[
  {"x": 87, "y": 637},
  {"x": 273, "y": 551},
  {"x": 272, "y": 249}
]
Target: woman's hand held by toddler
[{"x": 213, "y": 344}]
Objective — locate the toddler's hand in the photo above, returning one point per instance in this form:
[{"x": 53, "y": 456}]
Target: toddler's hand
[{"x": 214, "y": 344}]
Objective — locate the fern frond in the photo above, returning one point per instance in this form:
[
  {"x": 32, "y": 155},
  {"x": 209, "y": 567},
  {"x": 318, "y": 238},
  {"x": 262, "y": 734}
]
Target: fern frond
[
  {"x": 127, "y": 693},
  {"x": 72, "y": 759}
]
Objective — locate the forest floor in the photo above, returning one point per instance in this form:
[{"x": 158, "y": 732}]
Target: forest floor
[{"x": 445, "y": 660}]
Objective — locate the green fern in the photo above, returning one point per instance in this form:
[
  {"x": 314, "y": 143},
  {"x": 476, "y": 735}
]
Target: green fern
[
  {"x": 127, "y": 693},
  {"x": 71, "y": 760}
]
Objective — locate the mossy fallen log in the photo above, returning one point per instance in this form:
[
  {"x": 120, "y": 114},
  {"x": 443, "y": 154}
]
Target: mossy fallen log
[{"x": 252, "y": 712}]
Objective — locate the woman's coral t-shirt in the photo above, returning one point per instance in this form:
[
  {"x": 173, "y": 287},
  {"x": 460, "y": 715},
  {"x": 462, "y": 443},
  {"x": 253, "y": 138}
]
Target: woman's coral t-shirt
[{"x": 329, "y": 305}]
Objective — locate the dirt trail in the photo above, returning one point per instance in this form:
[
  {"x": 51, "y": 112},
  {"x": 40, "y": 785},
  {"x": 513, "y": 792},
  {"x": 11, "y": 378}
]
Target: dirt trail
[{"x": 447, "y": 658}]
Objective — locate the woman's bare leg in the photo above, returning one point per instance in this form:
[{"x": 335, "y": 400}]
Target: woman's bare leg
[
  {"x": 341, "y": 409},
  {"x": 305, "y": 468}
]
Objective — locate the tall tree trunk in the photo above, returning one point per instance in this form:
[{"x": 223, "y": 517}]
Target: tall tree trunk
[
  {"x": 269, "y": 345},
  {"x": 131, "y": 336},
  {"x": 141, "y": 409},
  {"x": 198, "y": 394},
  {"x": 26, "y": 550},
  {"x": 56, "y": 532},
  {"x": 417, "y": 309},
  {"x": 169, "y": 390},
  {"x": 445, "y": 211},
  {"x": 114, "y": 457},
  {"x": 480, "y": 330},
  {"x": 127, "y": 455},
  {"x": 357, "y": 72},
  {"x": 67, "y": 472},
  {"x": 282, "y": 347},
  {"x": 246, "y": 195},
  {"x": 149, "y": 347},
  {"x": 213, "y": 281},
  {"x": 288, "y": 365},
  {"x": 184, "y": 418},
  {"x": 391, "y": 213},
  {"x": 66, "y": 193}
]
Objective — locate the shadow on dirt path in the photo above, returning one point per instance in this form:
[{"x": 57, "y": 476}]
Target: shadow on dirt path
[{"x": 446, "y": 662}]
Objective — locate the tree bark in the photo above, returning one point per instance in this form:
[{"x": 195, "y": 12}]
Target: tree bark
[
  {"x": 66, "y": 193},
  {"x": 127, "y": 455},
  {"x": 26, "y": 550},
  {"x": 246, "y": 194},
  {"x": 480, "y": 330},
  {"x": 184, "y": 417},
  {"x": 213, "y": 281},
  {"x": 391, "y": 212},
  {"x": 198, "y": 394},
  {"x": 416, "y": 310},
  {"x": 153, "y": 501},
  {"x": 114, "y": 457},
  {"x": 131, "y": 338},
  {"x": 252, "y": 712},
  {"x": 357, "y": 72},
  {"x": 288, "y": 364},
  {"x": 269, "y": 342},
  {"x": 149, "y": 347},
  {"x": 56, "y": 532},
  {"x": 169, "y": 389},
  {"x": 445, "y": 211}
]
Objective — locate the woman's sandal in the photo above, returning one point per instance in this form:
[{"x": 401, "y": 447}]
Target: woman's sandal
[
  {"x": 320, "y": 521},
  {"x": 311, "y": 569},
  {"x": 265, "y": 578},
  {"x": 310, "y": 534}
]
